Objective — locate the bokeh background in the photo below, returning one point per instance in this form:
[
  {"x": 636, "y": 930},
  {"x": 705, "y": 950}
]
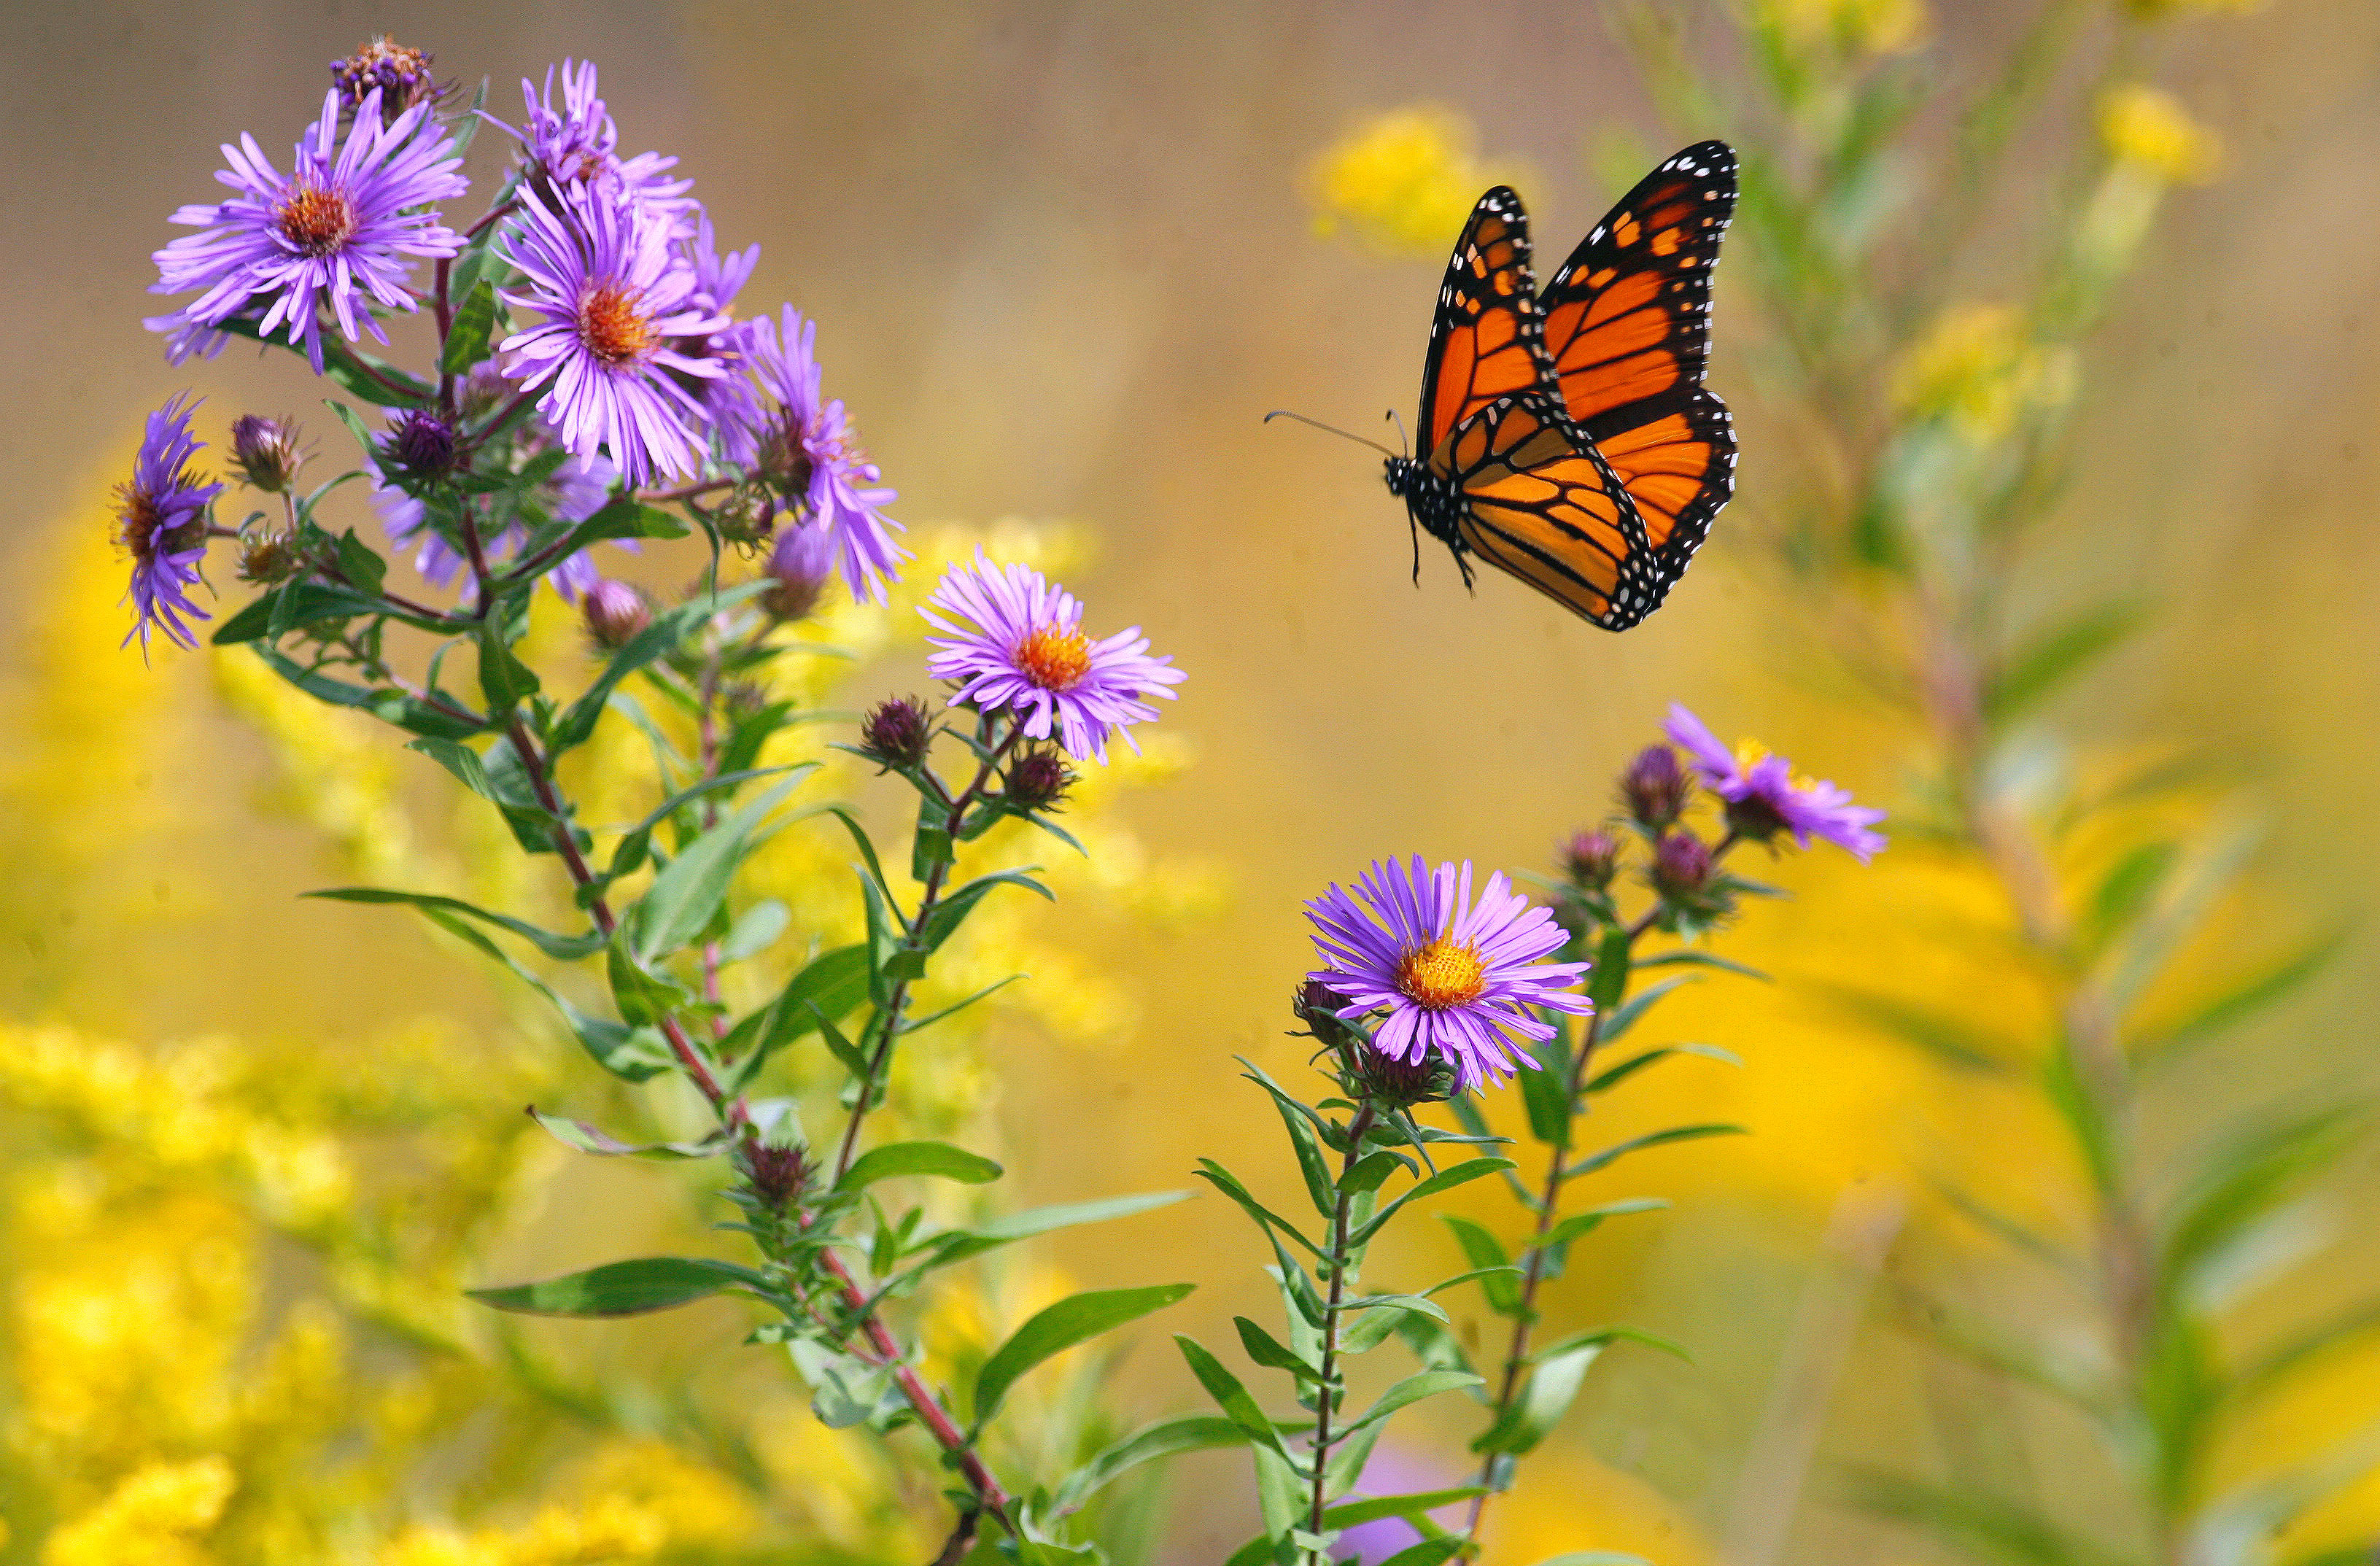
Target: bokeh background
[{"x": 1064, "y": 258}]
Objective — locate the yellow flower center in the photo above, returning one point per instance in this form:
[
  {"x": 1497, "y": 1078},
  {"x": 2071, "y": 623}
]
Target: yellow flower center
[
  {"x": 1442, "y": 974},
  {"x": 317, "y": 221},
  {"x": 1053, "y": 658},
  {"x": 612, "y": 326}
]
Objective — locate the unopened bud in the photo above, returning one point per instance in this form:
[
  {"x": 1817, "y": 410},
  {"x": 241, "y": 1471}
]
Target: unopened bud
[
  {"x": 1681, "y": 867},
  {"x": 402, "y": 76},
  {"x": 897, "y": 733},
  {"x": 802, "y": 562},
  {"x": 1591, "y": 860},
  {"x": 266, "y": 557},
  {"x": 1038, "y": 777},
  {"x": 1654, "y": 787},
  {"x": 615, "y": 612},
  {"x": 1384, "y": 1079},
  {"x": 779, "y": 1175},
  {"x": 264, "y": 451},
  {"x": 421, "y": 444}
]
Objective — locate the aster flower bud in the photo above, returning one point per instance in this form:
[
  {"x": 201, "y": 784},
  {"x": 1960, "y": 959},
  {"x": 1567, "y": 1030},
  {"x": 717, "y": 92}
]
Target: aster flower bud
[
  {"x": 264, "y": 452},
  {"x": 401, "y": 74},
  {"x": 1427, "y": 1079},
  {"x": 1681, "y": 866},
  {"x": 802, "y": 562},
  {"x": 615, "y": 612},
  {"x": 421, "y": 444},
  {"x": 1654, "y": 788},
  {"x": 779, "y": 1175},
  {"x": 897, "y": 733},
  {"x": 1591, "y": 860},
  {"x": 1038, "y": 777},
  {"x": 742, "y": 698}
]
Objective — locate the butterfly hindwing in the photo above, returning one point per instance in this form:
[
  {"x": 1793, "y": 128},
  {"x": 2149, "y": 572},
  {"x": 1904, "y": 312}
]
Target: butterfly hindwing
[
  {"x": 1538, "y": 501},
  {"x": 1486, "y": 339},
  {"x": 1626, "y": 325}
]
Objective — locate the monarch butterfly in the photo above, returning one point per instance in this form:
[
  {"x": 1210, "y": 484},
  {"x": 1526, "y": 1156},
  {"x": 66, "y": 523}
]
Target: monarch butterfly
[{"x": 1568, "y": 438}]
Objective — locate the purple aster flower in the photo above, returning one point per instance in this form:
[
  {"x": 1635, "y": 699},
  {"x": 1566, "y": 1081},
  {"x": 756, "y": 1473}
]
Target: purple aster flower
[
  {"x": 775, "y": 419},
  {"x": 161, "y": 521},
  {"x": 802, "y": 561},
  {"x": 1454, "y": 977},
  {"x": 341, "y": 230},
  {"x": 719, "y": 278},
  {"x": 573, "y": 143},
  {"x": 1765, "y": 796},
  {"x": 1016, "y": 643},
  {"x": 609, "y": 294}
]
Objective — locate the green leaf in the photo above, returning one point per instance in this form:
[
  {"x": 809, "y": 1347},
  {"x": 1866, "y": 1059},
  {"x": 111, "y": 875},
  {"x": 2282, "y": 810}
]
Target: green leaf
[
  {"x": 633, "y": 1054},
  {"x": 563, "y": 948},
  {"x": 1265, "y": 1350},
  {"x": 1229, "y": 1395},
  {"x": 1578, "y": 1225},
  {"x": 1428, "y": 1552},
  {"x": 1603, "y": 1159},
  {"x": 303, "y": 603},
  {"x": 363, "y": 568},
  {"x": 1281, "y": 1490},
  {"x": 939, "y": 1158},
  {"x": 504, "y": 680},
  {"x": 466, "y": 339},
  {"x": 1616, "y": 1023},
  {"x": 1545, "y": 1091},
  {"x": 756, "y": 929},
  {"x": 587, "y": 1139},
  {"x": 1596, "y": 1558},
  {"x": 1196, "y": 1432},
  {"x": 644, "y": 998},
  {"x": 2248, "y": 1178},
  {"x": 622, "y": 1288},
  {"x": 1370, "y": 1170},
  {"x": 1552, "y": 1387},
  {"x": 1690, "y": 957},
  {"x": 1607, "y": 1080},
  {"x": 1490, "y": 1265},
  {"x": 668, "y": 628},
  {"x": 1321, "y": 1188},
  {"x": 1076, "y": 1319},
  {"x": 1371, "y": 1508},
  {"x": 944, "y": 918},
  {"x": 1445, "y": 1180},
  {"x": 1980, "y": 1523},
  {"x": 958, "y": 1245},
  {"x": 679, "y": 905},
  {"x": 2127, "y": 891},
  {"x": 1223, "y": 1179},
  {"x": 2054, "y": 655},
  {"x": 355, "y": 424},
  {"x": 2239, "y": 998}
]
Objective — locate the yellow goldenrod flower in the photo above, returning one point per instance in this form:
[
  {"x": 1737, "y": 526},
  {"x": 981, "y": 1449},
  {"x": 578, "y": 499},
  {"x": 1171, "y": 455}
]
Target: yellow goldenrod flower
[
  {"x": 151, "y": 1518},
  {"x": 1854, "y": 27},
  {"x": 2147, "y": 128},
  {"x": 1979, "y": 368},
  {"x": 1403, "y": 181}
]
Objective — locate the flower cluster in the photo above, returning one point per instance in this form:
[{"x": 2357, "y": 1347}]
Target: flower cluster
[{"x": 588, "y": 348}]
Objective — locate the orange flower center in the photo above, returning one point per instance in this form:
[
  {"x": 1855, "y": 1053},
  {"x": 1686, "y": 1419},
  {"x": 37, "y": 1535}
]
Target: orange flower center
[
  {"x": 1055, "y": 659},
  {"x": 1442, "y": 974},
  {"x": 135, "y": 522},
  {"x": 317, "y": 221},
  {"x": 612, "y": 327}
]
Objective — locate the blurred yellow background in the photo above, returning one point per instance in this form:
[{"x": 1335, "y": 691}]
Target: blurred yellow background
[{"x": 1063, "y": 258}]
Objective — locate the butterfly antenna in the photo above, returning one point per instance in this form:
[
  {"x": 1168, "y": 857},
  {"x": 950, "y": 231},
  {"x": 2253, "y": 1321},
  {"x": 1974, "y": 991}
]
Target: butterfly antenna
[
  {"x": 1333, "y": 429},
  {"x": 1401, "y": 429}
]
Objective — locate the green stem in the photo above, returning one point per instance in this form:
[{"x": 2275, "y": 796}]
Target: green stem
[{"x": 1326, "y": 1394}]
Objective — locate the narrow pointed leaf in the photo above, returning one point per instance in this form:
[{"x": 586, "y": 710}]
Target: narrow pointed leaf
[
  {"x": 938, "y": 1159},
  {"x": 620, "y": 1288},
  {"x": 1074, "y": 1320}
]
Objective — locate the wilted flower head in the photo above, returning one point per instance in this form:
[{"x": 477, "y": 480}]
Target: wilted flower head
[
  {"x": 1654, "y": 788},
  {"x": 615, "y": 612},
  {"x": 340, "y": 232},
  {"x": 264, "y": 452},
  {"x": 1038, "y": 777},
  {"x": 1014, "y": 642},
  {"x": 897, "y": 732},
  {"x": 773, "y": 418},
  {"x": 802, "y": 562},
  {"x": 161, "y": 522},
  {"x": 607, "y": 294},
  {"x": 1765, "y": 796},
  {"x": 399, "y": 74},
  {"x": 1455, "y": 979}
]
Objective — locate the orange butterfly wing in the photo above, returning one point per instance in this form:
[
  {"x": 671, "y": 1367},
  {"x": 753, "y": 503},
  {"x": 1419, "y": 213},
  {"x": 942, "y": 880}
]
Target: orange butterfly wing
[
  {"x": 1538, "y": 501},
  {"x": 1626, "y": 325},
  {"x": 1486, "y": 341}
]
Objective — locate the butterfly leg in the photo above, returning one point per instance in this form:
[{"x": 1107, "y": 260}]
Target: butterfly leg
[{"x": 1415, "y": 529}]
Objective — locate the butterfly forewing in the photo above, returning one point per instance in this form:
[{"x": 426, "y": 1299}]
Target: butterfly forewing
[
  {"x": 1487, "y": 342},
  {"x": 1539, "y": 501},
  {"x": 1626, "y": 325}
]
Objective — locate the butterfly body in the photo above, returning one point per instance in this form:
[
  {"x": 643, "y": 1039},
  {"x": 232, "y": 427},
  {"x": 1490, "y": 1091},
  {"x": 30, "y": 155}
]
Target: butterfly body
[{"x": 1567, "y": 438}]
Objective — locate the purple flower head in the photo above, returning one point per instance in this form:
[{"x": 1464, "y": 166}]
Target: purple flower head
[
  {"x": 572, "y": 144},
  {"x": 609, "y": 292},
  {"x": 161, "y": 522},
  {"x": 719, "y": 278},
  {"x": 1764, "y": 796},
  {"x": 577, "y": 491},
  {"x": 1456, "y": 978},
  {"x": 1016, "y": 643},
  {"x": 615, "y": 612},
  {"x": 340, "y": 231},
  {"x": 774, "y": 420}
]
